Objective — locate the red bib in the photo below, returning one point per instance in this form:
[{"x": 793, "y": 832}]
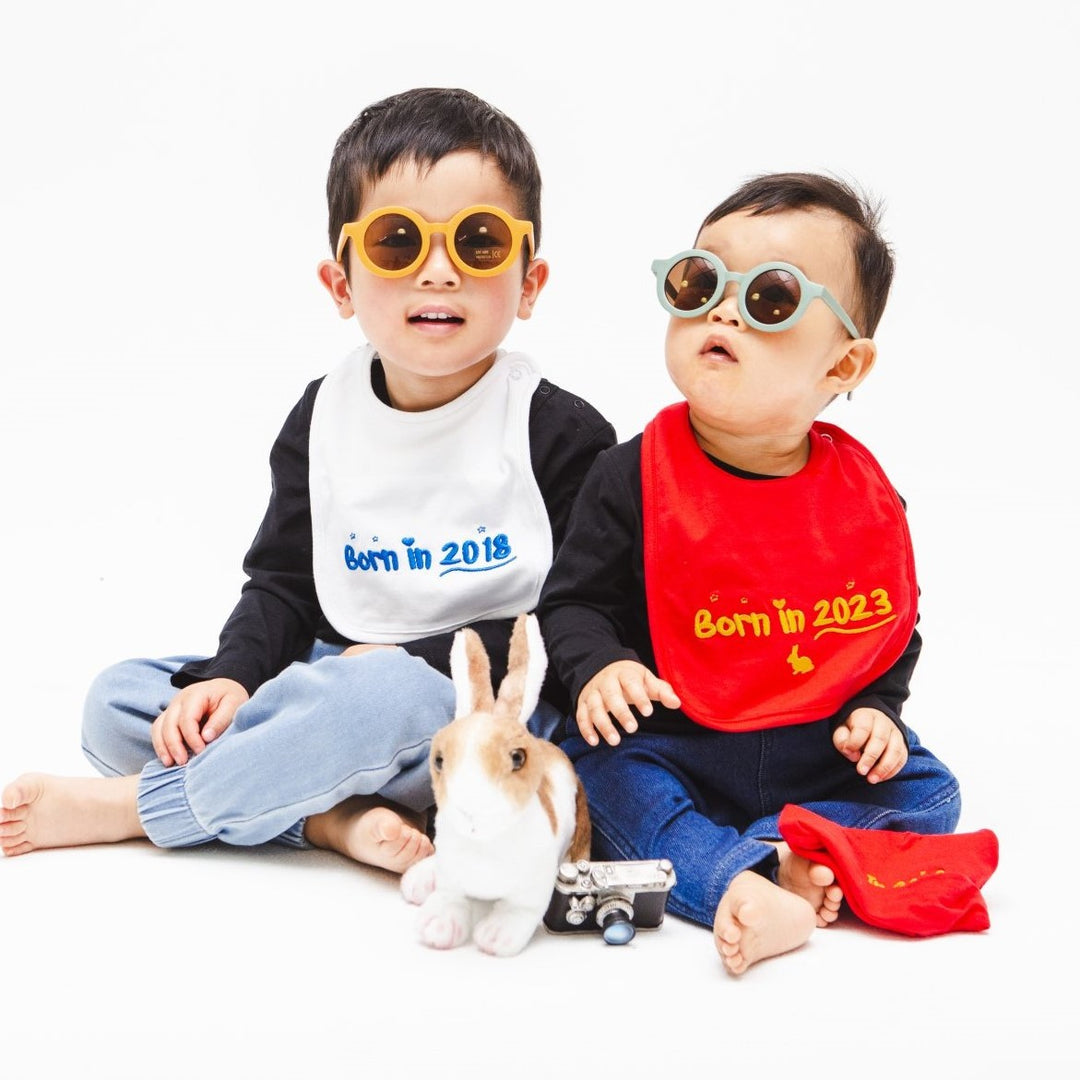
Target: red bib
[{"x": 772, "y": 602}]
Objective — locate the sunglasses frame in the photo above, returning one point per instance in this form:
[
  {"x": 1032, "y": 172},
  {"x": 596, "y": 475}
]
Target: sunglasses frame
[
  {"x": 354, "y": 230},
  {"x": 809, "y": 291}
]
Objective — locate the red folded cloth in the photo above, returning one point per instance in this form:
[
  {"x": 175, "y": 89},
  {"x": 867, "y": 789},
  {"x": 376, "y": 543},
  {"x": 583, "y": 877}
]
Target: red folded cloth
[{"x": 908, "y": 882}]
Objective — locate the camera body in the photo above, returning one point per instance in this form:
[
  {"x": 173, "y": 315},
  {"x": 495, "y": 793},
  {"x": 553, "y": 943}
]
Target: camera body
[{"x": 614, "y": 898}]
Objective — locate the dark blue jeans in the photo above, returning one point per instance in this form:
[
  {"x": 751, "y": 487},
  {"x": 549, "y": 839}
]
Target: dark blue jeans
[{"x": 709, "y": 800}]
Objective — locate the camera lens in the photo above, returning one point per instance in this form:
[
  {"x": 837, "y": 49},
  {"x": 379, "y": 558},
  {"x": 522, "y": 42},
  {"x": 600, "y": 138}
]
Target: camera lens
[
  {"x": 618, "y": 929},
  {"x": 614, "y": 917}
]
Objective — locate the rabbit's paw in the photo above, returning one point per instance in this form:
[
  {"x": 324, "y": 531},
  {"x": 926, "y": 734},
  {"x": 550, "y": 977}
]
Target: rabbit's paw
[
  {"x": 418, "y": 882},
  {"x": 444, "y": 924},
  {"x": 506, "y": 931}
]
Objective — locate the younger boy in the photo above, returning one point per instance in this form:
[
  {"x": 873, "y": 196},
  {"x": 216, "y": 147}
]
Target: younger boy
[
  {"x": 748, "y": 570},
  {"x": 422, "y": 485}
]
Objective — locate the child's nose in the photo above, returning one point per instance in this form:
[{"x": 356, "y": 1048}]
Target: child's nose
[
  {"x": 728, "y": 309},
  {"x": 438, "y": 268}
]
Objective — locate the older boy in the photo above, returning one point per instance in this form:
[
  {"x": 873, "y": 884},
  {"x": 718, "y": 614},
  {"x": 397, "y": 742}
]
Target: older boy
[
  {"x": 421, "y": 486},
  {"x": 748, "y": 570}
]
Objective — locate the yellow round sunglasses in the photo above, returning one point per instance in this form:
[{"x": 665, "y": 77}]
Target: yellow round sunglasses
[{"x": 393, "y": 241}]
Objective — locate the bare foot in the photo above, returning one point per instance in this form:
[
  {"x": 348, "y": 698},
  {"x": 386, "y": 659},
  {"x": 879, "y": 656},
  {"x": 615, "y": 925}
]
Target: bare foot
[
  {"x": 370, "y": 831},
  {"x": 814, "y": 882},
  {"x": 39, "y": 811},
  {"x": 757, "y": 919}
]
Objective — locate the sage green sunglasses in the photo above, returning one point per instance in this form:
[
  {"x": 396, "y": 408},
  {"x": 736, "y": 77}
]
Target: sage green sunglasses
[{"x": 772, "y": 297}]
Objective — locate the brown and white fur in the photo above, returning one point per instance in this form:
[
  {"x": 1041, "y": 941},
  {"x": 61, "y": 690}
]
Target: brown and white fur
[{"x": 510, "y": 807}]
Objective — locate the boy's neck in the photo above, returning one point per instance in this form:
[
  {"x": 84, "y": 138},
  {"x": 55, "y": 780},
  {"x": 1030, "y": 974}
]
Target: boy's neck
[
  {"x": 762, "y": 455},
  {"x": 410, "y": 392}
]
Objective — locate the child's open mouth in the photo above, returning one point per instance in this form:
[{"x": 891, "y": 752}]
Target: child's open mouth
[
  {"x": 437, "y": 318},
  {"x": 717, "y": 348}
]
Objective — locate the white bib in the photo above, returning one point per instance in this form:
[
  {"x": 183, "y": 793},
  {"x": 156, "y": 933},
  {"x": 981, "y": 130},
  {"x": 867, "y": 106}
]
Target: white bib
[{"x": 423, "y": 522}]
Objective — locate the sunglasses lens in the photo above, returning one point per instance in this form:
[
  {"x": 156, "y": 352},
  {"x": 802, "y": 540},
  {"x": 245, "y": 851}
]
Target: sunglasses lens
[
  {"x": 483, "y": 241},
  {"x": 690, "y": 284},
  {"x": 392, "y": 242},
  {"x": 773, "y": 296}
]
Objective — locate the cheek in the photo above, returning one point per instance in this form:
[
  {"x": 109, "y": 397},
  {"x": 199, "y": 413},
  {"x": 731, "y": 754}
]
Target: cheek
[
  {"x": 681, "y": 349},
  {"x": 371, "y": 292},
  {"x": 506, "y": 303},
  {"x": 673, "y": 347},
  {"x": 376, "y": 309}
]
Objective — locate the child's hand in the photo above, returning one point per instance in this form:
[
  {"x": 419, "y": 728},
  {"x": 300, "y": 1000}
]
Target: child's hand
[
  {"x": 198, "y": 714},
  {"x": 870, "y": 738},
  {"x": 611, "y": 692}
]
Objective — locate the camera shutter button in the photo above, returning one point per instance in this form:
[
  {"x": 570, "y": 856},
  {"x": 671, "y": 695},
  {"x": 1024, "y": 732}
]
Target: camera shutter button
[{"x": 568, "y": 871}]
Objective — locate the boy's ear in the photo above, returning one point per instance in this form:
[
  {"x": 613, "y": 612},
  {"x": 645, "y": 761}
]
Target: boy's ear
[
  {"x": 852, "y": 367},
  {"x": 535, "y": 279},
  {"x": 332, "y": 275}
]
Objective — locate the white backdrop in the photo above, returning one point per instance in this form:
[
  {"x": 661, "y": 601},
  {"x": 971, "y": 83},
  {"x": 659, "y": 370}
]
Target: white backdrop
[{"x": 163, "y": 213}]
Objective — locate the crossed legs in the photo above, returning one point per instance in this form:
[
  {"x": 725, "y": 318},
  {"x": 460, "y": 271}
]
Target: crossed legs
[{"x": 331, "y": 753}]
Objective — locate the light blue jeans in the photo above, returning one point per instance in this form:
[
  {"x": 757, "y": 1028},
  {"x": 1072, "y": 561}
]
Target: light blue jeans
[{"x": 327, "y": 727}]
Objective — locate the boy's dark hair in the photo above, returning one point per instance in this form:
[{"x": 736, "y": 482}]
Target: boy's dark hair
[
  {"x": 771, "y": 192},
  {"x": 424, "y": 125}
]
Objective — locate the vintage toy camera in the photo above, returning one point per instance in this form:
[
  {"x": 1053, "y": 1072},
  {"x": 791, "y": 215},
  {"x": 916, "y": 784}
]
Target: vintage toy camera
[{"x": 614, "y": 898}]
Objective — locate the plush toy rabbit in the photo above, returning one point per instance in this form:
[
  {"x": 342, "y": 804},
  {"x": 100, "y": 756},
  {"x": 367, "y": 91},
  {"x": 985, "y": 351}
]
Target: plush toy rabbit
[{"x": 510, "y": 807}]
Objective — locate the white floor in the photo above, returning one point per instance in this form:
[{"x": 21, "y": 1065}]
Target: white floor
[
  {"x": 162, "y": 208},
  {"x": 127, "y": 961}
]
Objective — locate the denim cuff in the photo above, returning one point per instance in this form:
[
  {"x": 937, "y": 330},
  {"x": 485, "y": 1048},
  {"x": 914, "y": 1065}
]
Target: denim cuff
[
  {"x": 747, "y": 854},
  {"x": 294, "y": 837},
  {"x": 164, "y": 810}
]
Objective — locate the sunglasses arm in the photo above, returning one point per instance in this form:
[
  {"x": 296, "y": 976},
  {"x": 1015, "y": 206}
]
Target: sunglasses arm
[
  {"x": 839, "y": 312},
  {"x": 343, "y": 239}
]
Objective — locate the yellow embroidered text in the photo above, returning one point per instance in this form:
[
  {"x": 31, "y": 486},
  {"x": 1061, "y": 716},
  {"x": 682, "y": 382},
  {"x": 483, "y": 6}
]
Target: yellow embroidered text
[
  {"x": 872, "y": 880},
  {"x": 752, "y": 624}
]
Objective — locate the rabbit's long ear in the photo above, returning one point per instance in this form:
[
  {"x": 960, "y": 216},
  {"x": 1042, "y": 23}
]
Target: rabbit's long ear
[
  {"x": 470, "y": 669},
  {"x": 520, "y": 690}
]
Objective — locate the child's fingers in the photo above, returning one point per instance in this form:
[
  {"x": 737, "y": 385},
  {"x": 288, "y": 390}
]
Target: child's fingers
[
  {"x": 167, "y": 743},
  {"x": 603, "y": 727},
  {"x": 188, "y": 726},
  {"x": 620, "y": 696},
  {"x": 893, "y": 758},
  {"x": 607, "y": 699},
  {"x": 585, "y": 726},
  {"x": 588, "y": 716},
  {"x": 634, "y": 689},
  {"x": 157, "y": 740},
  {"x": 642, "y": 690},
  {"x": 218, "y": 721},
  {"x": 211, "y": 730},
  {"x": 661, "y": 691},
  {"x": 873, "y": 742},
  {"x": 871, "y": 752},
  {"x": 860, "y": 727},
  {"x": 606, "y": 712},
  {"x": 174, "y": 743},
  {"x": 158, "y": 744},
  {"x": 843, "y": 741},
  {"x": 606, "y": 703},
  {"x": 853, "y": 736}
]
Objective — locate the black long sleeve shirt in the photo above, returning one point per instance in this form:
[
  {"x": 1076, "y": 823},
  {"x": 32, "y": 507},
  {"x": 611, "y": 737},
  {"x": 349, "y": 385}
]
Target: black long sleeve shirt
[
  {"x": 592, "y": 608},
  {"x": 278, "y": 616}
]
